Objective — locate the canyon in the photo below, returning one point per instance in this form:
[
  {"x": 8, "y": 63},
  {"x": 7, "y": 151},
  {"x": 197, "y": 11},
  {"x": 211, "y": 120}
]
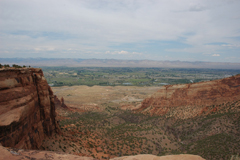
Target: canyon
[{"x": 109, "y": 122}]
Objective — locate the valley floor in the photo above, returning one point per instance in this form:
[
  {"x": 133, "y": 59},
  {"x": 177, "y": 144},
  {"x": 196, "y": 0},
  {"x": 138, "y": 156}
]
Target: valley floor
[{"x": 100, "y": 124}]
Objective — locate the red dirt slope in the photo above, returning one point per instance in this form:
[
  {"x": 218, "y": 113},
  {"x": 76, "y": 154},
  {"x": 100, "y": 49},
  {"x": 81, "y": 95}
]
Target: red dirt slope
[{"x": 189, "y": 100}]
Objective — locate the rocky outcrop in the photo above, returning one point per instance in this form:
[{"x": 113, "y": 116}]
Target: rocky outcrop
[
  {"x": 27, "y": 110},
  {"x": 15, "y": 154},
  {"x": 153, "y": 157},
  {"x": 189, "y": 100},
  {"x": 60, "y": 103}
]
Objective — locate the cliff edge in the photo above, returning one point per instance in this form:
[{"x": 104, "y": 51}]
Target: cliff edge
[
  {"x": 15, "y": 154},
  {"x": 27, "y": 110},
  {"x": 189, "y": 100}
]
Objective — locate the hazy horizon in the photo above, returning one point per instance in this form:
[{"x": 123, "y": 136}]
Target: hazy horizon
[
  {"x": 93, "y": 62},
  {"x": 186, "y": 30},
  {"x": 117, "y": 59}
]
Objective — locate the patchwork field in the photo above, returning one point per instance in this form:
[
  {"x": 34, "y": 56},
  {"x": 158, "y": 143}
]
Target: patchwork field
[{"x": 116, "y": 76}]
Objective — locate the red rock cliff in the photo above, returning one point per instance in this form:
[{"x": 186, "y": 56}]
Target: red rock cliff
[
  {"x": 188, "y": 100},
  {"x": 27, "y": 110}
]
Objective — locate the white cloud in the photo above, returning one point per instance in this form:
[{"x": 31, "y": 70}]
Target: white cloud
[
  {"x": 196, "y": 7},
  {"x": 216, "y": 55},
  {"x": 231, "y": 45},
  {"x": 122, "y": 53},
  {"x": 95, "y": 25}
]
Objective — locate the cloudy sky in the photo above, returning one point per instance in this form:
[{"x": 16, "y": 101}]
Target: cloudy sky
[{"x": 185, "y": 30}]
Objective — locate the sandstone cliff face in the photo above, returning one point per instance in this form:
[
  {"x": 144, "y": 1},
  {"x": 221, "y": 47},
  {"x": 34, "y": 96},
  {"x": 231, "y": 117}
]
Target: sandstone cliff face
[
  {"x": 189, "y": 100},
  {"x": 27, "y": 110}
]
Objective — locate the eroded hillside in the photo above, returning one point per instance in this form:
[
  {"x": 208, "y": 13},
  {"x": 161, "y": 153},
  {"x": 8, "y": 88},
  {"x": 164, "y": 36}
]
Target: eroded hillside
[{"x": 189, "y": 100}]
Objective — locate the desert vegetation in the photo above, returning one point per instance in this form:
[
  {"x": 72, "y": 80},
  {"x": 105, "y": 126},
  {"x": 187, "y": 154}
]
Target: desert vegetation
[
  {"x": 13, "y": 65},
  {"x": 102, "y": 123},
  {"x": 114, "y": 132}
]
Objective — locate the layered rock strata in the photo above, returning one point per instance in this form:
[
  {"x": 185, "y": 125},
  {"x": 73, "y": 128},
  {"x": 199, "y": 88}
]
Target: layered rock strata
[
  {"x": 189, "y": 100},
  {"x": 27, "y": 110}
]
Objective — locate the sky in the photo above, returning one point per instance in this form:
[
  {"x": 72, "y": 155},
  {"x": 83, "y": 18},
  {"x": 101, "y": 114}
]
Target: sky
[{"x": 185, "y": 30}]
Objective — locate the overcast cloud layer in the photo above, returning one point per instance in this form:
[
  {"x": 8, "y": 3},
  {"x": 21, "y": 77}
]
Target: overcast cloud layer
[{"x": 186, "y": 30}]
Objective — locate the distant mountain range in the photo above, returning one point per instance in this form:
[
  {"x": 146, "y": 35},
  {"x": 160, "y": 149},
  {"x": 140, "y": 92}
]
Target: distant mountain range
[{"x": 68, "y": 62}]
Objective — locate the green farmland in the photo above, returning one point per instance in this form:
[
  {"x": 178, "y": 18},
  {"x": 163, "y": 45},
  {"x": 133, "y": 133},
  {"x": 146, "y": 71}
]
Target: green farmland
[{"x": 69, "y": 76}]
